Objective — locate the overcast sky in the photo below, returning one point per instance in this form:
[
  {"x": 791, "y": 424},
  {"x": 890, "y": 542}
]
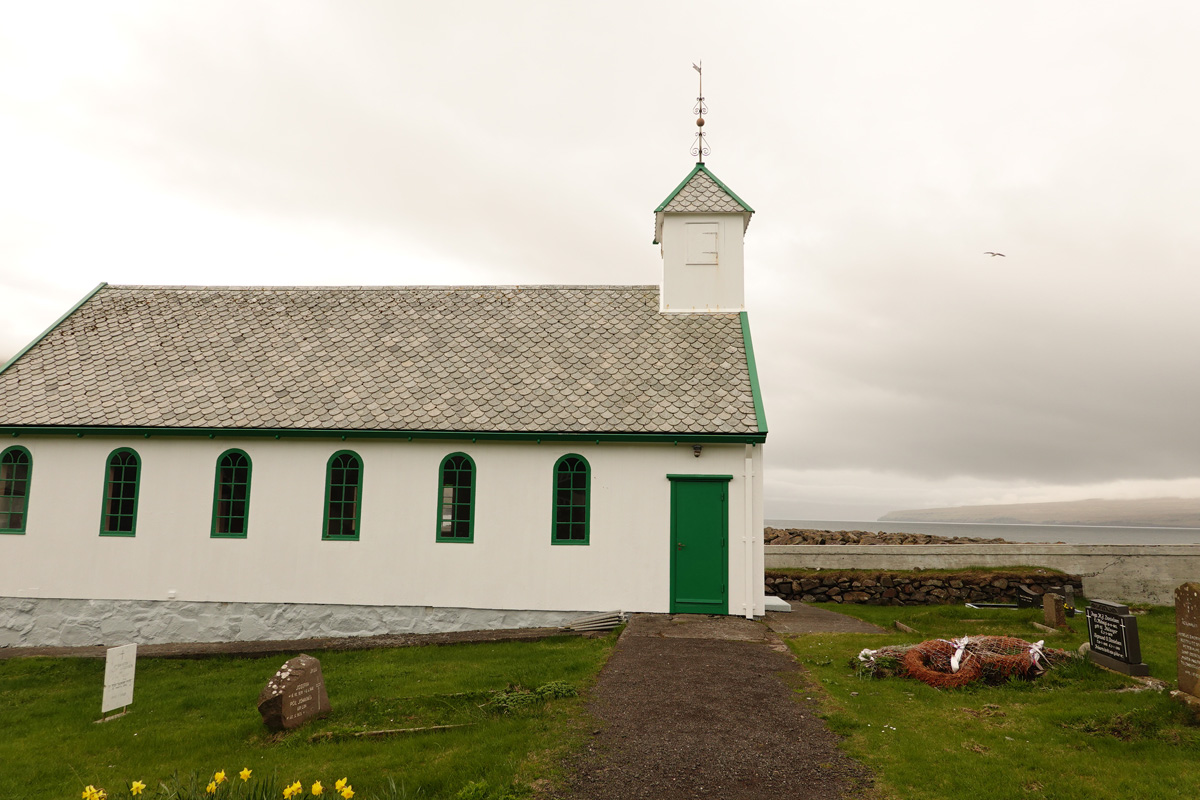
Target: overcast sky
[{"x": 885, "y": 147}]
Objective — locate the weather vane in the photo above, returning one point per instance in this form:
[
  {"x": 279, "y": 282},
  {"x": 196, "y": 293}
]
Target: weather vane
[{"x": 700, "y": 146}]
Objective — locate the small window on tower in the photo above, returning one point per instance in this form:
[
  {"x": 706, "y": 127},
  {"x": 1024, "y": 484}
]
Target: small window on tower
[{"x": 702, "y": 242}]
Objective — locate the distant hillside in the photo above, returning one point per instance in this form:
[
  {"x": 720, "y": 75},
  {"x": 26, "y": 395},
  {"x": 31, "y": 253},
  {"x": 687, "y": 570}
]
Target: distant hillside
[{"x": 1167, "y": 512}]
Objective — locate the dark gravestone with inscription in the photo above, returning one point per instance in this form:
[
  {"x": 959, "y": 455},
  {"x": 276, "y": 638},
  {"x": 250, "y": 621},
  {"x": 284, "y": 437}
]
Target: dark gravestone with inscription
[
  {"x": 1113, "y": 636},
  {"x": 295, "y": 695},
  {"x": 1026, "y": 598},
  {"x": 1187, "y": 637}
]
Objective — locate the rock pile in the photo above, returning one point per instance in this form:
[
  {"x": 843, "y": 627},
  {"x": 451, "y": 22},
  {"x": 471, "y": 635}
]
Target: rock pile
[
  {"x": 809, "y": 536},
  {"x": 912, "y": 588}
]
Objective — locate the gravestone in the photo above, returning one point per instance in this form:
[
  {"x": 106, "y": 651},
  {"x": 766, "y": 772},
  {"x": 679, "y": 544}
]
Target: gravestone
[
  {"x": 1113, "y": 636},
  {"x": 1053, "y": 607},
  {"x": 1068, "y": 592},
  {"x": 1187, "y": 637},
  {"x": 1027, "y": 598},
  {"x": 119, "y": 666},
  {"x": 295, "y": 695}
]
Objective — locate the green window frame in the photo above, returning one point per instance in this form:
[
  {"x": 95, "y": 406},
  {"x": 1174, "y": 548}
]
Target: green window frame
[
  {"x": 122, "y": 477},
  {"x": 572, "y": 500},
  {"x": 231, "y": 495},
  {"x": 343, "y": 497},
  {"x": 456, "y": 499},
  {"x": 16, "y": 473}
]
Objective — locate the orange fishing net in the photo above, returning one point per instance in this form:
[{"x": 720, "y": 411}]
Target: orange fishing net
[
  {"x": 929, "y": 662},
  {"x": 950, "y": 664}
]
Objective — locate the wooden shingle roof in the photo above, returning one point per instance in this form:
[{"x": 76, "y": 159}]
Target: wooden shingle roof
[{"x": 569, "y": 359}]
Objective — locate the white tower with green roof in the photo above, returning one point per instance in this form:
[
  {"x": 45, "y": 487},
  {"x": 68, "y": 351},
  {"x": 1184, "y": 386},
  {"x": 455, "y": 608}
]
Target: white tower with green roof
[{"x": 700, "y": 229}]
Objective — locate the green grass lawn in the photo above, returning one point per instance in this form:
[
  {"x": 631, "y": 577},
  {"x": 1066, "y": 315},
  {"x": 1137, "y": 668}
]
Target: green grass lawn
[
  {"x": 1072, "y": 733},
  {"x": 194, "y": 717}
]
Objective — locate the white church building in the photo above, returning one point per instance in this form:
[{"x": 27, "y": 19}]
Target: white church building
[{"x": 194, "y": 463}]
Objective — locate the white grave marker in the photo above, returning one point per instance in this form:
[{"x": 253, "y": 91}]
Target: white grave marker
[{"x": 118, "y": 677}]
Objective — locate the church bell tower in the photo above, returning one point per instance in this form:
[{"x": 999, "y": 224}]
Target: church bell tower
[{"x": 700, "y": 229}]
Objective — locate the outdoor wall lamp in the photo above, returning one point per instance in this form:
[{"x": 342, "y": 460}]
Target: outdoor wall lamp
[{"x": 696, "y": 450}]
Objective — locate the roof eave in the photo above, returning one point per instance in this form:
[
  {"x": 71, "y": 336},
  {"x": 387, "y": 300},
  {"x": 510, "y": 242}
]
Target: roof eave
[
  {"x": 760, "y": 413},
  {"x": 658, "y": 437}
]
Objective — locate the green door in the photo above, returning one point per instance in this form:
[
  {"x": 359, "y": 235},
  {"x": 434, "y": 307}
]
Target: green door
[{"x": 699, "y": 544}]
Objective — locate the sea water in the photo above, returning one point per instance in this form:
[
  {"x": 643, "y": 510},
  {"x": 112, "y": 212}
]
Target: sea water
[{"x": 1067, "y": 534}]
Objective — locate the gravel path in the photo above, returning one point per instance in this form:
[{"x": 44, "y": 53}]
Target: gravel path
[{"x": 705, "y": 707}]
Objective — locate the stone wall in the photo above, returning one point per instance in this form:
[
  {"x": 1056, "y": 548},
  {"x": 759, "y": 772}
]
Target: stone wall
[
  {"x": 26, "y": 622},
  {"x": 1132, "y": 573},
  {"x": 906, "y": 589}
]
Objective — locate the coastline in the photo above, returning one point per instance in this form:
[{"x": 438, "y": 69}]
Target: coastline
[{"x": 1012, "y": 533}]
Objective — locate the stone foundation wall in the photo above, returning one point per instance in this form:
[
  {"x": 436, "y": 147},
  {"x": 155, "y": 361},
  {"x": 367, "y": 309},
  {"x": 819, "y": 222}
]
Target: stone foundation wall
[
  {"x": 907, "y": 589},
  {"x": 72, "y": 623}
]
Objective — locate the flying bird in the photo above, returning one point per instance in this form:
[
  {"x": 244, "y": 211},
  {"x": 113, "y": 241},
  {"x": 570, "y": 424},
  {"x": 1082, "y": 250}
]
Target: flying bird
[{"x": 990, "y": 253}]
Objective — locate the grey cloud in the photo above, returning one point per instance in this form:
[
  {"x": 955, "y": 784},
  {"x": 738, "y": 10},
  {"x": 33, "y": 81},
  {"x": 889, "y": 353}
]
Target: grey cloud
[{"x": 884, "y": 153}]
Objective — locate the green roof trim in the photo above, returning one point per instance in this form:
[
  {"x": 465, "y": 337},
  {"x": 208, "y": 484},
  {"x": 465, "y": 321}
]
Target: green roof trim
[
  {"x": 752, "y": 368},
  {"x": 701, "y": 168},
  {"x": 307, "y": 433},
  {"x": 57, "y": 322}
]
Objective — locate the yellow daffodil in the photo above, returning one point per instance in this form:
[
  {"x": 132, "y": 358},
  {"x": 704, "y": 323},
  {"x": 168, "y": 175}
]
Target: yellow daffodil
[
  {"x": 348, "y": 792},
  {"x": 288, "y": 791},
  {"x": 339, "y": 785},
  {"x": 136, "y": 788},
  {"x": 219, "y": 778},
  {"x": 101, "y": 795},
  {"x": 89, "y": 792},
  {"x": 245, "y": 773},
  {"x": 317, "y": 789},
  {"x": 211, "y": 788}
]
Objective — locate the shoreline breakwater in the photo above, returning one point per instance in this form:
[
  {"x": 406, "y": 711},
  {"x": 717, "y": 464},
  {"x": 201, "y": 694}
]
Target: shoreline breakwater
[{"x": 784, "y": 536}]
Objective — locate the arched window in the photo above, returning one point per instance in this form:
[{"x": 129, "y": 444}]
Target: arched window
[
  {"x": 343, "y": 496},
  {"x": 456, "y": 499},
  {"x": 572, "y": 490},
  {"x": 119, "y": 516},
  {"x": 231, "y": 495},
  {"x": 16, "y": 467}
]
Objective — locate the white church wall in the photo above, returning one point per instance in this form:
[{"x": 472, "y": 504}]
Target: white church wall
[
  {"x": 397, "y": 562},
  {"x": 692, "y": 282}
]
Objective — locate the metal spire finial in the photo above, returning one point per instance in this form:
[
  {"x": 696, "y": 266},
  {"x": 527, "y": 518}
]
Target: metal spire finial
[{"x": 700, "y": 146}]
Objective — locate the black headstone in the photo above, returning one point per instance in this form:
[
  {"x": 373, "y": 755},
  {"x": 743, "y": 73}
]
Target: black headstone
[
  {"x": 1027, "y": 599},
  {"x": 1113, "y": 637}
]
